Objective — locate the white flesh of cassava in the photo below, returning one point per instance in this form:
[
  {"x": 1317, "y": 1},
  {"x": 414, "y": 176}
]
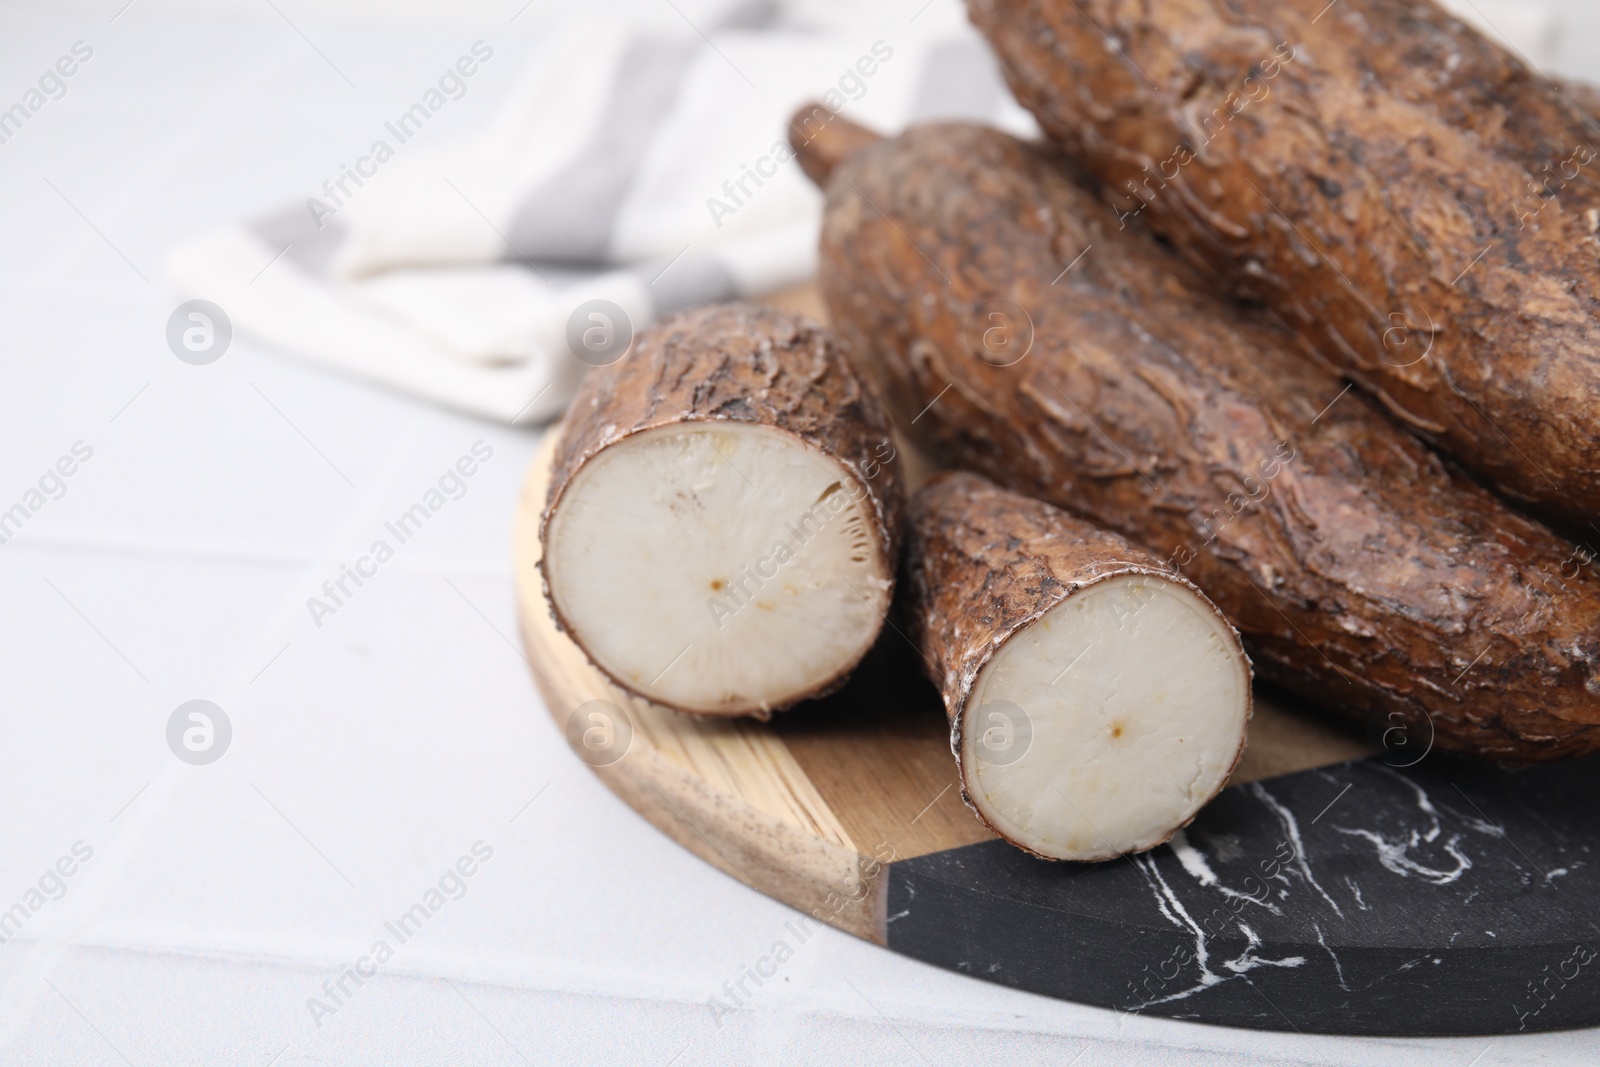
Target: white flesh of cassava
[
  {"x": 721, "y": 570},
  {"x": 1104, "y": 725}
]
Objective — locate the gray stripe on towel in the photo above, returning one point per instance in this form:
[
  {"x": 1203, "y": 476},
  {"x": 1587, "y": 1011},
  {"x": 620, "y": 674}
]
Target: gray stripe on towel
[
  {"x": 960, "y": 80},
  {"x": 688, "y": 282},
  {"x": 569, "y": 219},
  {"x": 310, "y": 249}
]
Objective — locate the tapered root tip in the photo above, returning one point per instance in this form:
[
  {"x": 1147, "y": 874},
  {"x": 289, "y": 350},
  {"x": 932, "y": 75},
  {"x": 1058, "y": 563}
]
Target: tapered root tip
[{"x": 822, "y": 140}]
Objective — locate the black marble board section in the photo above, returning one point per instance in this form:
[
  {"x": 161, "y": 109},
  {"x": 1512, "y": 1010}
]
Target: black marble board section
[{"x": 1361, "y": 898}]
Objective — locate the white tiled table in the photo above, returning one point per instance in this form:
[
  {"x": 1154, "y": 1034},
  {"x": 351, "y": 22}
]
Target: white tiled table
[{"x": 370, "y": 753}]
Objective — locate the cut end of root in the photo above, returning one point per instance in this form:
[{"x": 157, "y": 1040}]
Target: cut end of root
[
  {"x": 1104, "y": 725},
  {"x": 721, "y": 569}
]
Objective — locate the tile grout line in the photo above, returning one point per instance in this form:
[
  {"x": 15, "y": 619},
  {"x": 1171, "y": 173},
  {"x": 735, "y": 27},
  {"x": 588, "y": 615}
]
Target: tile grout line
[
  {"x": 146, "y": 179},
  {"x": 20, "y": 995}
]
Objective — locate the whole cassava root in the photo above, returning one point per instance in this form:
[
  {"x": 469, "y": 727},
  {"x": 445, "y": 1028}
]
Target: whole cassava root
[
  {"x": 1020, "y": 333},
  {"x": 1410, "y": 198},
  {"x": 722, "y": 526},
  {"x": 1096, "y": 700}
]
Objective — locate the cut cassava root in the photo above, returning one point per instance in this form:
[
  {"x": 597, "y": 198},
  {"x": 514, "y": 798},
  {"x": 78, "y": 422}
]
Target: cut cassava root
[
  {"x": 721, "y": 531},
  {"x": 1364, "y": 575},
  {"x": 1410, "y": 198},
  {"x": 1096, "y": 700}
]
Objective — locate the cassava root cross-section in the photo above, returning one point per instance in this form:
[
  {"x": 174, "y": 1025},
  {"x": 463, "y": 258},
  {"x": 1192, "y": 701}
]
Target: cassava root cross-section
[
  {"x": 721, "y": 530},
  {"x": 1021, "y": 334},
  {"x": 1096, "y": 701},
  {"x": 1411, "y": 198}
]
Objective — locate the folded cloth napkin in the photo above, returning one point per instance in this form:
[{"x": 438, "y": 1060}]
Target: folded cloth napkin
[{"x": 629, "y": 174}]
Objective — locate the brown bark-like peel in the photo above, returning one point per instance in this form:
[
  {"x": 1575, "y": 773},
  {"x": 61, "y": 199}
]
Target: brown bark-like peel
[
  {"x": 1364, "y": 575},
  {"x": 1410, "y": 198},
  {"x": 982, "y": 566},
  {"x": 736, "y": 366}
]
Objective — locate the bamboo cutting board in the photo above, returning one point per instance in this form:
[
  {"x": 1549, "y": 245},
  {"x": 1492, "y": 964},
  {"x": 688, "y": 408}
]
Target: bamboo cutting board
[{"x": 1336, "y": 886}]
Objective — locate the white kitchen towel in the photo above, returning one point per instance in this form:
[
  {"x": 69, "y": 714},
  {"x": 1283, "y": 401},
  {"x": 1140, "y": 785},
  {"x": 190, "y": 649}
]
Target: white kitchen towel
[{"x": 647, "y": 171}]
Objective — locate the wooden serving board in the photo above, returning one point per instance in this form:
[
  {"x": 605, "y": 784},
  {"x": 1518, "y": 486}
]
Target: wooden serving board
[{"x": 1333, "y": 887}]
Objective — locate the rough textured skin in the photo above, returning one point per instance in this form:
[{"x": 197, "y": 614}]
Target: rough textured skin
[
  {"x": 736, "y": 363},
  {"x": 1364, "y": 575},
  {"x": 982, "y": 563},
  {"x": 1349, "y": 169}
]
